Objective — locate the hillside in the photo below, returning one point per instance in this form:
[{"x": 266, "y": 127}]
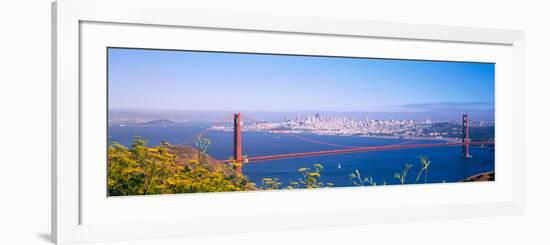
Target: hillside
[
  {"x": 168, "y": 169},
  {"x": 185, "y": 155},
  {"x": 488, "y": 176}
]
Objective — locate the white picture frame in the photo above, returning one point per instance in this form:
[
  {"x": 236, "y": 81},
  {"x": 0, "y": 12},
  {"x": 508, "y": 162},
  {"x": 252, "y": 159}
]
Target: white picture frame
[{"x": 68, "y": 17}]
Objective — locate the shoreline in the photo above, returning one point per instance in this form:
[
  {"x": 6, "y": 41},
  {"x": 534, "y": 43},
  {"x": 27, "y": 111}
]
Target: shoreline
[
  {"x": 362, "y": 136},
  {"x": 485, "y": 176},
  {"x": 444, "y": 139}
]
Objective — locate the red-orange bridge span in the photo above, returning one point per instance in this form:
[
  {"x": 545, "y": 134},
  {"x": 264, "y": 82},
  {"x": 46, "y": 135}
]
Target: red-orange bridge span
[{"x": 360, "y": 149}]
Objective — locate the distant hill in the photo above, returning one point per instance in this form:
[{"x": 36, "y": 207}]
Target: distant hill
[{"x": 157, "y": 122}]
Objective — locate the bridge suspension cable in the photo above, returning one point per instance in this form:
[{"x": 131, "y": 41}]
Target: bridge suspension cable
[
  {"x": 347, "y": 149},
  {"x": 359, "y": 149}
]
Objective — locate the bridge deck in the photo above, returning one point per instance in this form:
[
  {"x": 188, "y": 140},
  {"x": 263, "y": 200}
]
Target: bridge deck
[{"x": 358, "y": 149}]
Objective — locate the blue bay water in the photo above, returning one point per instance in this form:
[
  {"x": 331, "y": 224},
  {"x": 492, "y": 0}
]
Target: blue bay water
[{"x": 447, "y": 164}]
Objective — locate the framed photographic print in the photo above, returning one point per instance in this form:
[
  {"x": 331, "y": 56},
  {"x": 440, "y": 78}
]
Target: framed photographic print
[
  {"x": 208, "y": 121},
  {"x": 171, "y": 122}
]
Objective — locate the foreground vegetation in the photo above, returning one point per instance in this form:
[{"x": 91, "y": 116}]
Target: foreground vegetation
[{"x": 143, "y": 170}]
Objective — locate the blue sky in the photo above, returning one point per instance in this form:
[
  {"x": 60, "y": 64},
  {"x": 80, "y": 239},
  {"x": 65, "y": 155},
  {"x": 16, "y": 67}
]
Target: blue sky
[{"x": 153, "y": 80}]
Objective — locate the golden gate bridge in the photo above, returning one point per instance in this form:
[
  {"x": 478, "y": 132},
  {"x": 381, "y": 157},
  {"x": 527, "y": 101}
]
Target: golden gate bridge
[{"x": 238, "y": 150}]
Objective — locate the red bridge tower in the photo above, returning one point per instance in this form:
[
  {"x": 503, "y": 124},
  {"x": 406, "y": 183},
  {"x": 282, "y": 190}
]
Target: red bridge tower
[
  {"x": 465, "y": 136},
  {"x": 237, "y": 144}
]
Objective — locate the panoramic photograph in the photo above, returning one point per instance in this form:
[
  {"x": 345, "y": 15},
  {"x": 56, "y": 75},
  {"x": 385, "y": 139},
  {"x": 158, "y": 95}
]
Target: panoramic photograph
[{"x": 205, "y": 121}]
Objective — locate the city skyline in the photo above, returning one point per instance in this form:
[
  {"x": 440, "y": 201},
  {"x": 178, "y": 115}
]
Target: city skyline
[{"x": 159, "y": 80}]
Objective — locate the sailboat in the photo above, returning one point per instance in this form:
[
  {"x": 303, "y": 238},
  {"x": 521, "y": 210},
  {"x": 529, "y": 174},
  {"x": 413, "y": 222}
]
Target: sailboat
[{"x": 339, "y": 166}]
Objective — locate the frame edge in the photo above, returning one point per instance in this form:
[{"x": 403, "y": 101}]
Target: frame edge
[{"x": 63, "y": 230}]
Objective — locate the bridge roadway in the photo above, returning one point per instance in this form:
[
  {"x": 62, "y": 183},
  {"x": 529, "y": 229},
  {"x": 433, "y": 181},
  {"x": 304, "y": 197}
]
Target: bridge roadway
[{"x": 359, "y": 149}]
